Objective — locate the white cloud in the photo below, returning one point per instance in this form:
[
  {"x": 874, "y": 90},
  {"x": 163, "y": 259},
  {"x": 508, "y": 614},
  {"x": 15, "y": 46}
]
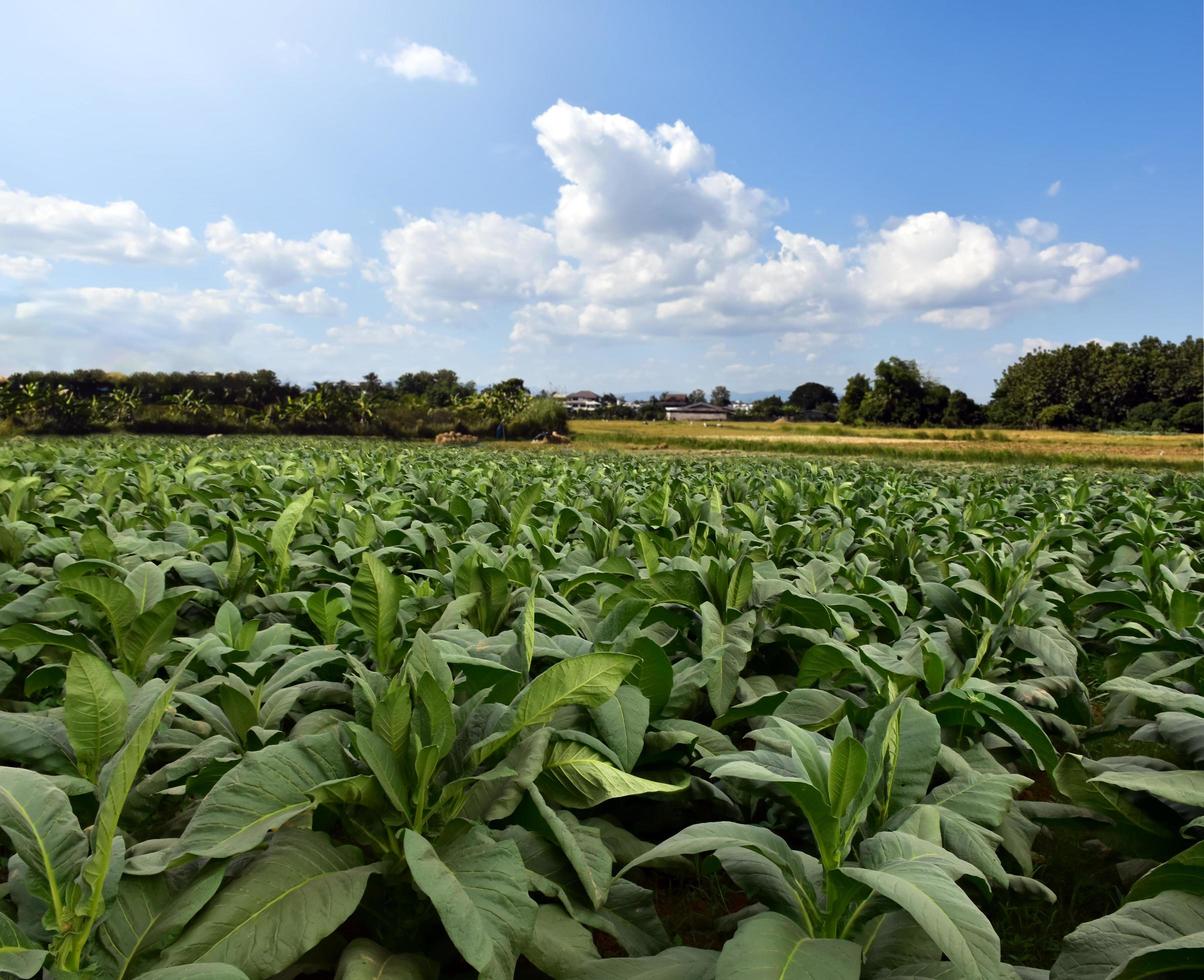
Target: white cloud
[
  {"x": 308, "y": 302},
  {"x": 23, "y": 267},
  {"x": 135, "y": 310},
  {"x": 53, "y": 227},
  {"x": 966, "y": 318},
  {"x": 806, "y": 341},
  {"x": 1031, "y": 345},
  {"x": 366, "y": 331},
  {"x": 649, "y": 238},
  {"x": 1054, "y": 189},
  {"x": 1037, "y": 230},
  {"x": 454, "y": 261},
  {"x": 1004, "y": 349},
  {"x": 263, "y": 258},
  {"x": 413, "y": 61}
]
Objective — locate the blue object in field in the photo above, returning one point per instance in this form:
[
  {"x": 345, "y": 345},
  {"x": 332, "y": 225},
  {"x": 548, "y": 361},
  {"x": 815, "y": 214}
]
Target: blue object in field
[{"x": 501, "y": 431}]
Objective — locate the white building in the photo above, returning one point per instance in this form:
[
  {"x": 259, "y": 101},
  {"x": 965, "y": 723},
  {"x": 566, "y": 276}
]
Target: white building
[{"x": 582, "y": 401}]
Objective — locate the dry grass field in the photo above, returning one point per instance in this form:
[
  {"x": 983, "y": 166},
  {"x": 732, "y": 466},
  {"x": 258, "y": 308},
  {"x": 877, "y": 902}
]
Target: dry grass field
[{"x": 1184, "y": 452}]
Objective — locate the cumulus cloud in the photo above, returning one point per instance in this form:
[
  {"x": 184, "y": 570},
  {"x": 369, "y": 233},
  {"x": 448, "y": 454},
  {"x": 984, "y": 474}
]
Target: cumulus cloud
[
  {"x": 413, "y": 61},
  {"x": 263, "y": 258},
  {"x": 454, "y": 261},
  {"x": 1030, "y": 345},
  {"x": 23, "y": 267},
  {"x": 648, "y": 237},
  {"x": 53, "y": 227},
  {"x": 1037, "y": 230}
]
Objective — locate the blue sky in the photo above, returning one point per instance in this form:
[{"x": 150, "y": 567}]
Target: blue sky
[{"x": 621, "y": 196}]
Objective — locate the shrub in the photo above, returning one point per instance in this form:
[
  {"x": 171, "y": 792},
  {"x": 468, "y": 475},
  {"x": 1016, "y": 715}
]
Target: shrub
[
  {"x": 539, "y": 415},
  {"x": 1189, "y": 418},
  {"x": 1055, "y": 417}
]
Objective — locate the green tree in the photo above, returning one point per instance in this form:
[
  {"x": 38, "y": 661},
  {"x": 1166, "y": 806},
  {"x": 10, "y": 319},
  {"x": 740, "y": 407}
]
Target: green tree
[
  {"x": 720, "y": 395},
  {"x": 811, "y": 395},
  {"x": 855, "y": 390}
]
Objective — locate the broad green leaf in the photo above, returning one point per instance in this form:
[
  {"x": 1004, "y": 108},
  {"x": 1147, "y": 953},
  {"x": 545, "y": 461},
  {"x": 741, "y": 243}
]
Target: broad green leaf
[
  {"x": 587, "y": 680},
  {"x": 1180, "y": 785},
  {"x": 31, "y": 634},
  {"x": 1102, "y": 947},
  {"x": 208, "y": 971},
  {"x": 582, "y": 847},
  {"x": 846, "y": 770},
  {"x": 621, "y": 722},
  {"x": 682, "y": 963},
  {"x": 559, "y": 945},
  {"x": 770, "y": 946},
  {"x": 912, "y": 742},
  {"x": 43, "y": 831},
  {"x": 19, "y": 955},
  {"x": 941, "y": 909},
  {"x": 146, "y": 916},
  {"x": 1175, "y": 957},
  {"x": 298, "y": 892},
  {"x": 478, "y": 886},
  {"x": 725, "y": 651},
  {"x": 263, "y": 792},
  {"x": 575, "y": 775},
  {"x": 147, "y": 585},
  {"x": 94, "y": 711},
  {"x": 374, "y": 597}
]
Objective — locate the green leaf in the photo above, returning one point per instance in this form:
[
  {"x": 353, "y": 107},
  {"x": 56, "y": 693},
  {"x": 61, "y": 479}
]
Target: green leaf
[
  {"x": 478, "y": 886},
  {"x": 146, "y": 916},
  {"x": 588, "y": 680},
  {"x": 845, "y": 774},
  {"x": 1175, "y": 957},
  {"x": 682, "y": 963},
  {"x": 283, "y": 530},
  {"x": 365, "y": 960},
  {"x": 147, "y": 585},
  {"x": 19, "y": 955},
  {"x": 770, "y": 946},
  {"x": 1159, "y": 694},
  {"x": 581, "y": 845},
  {"x": 42, "y": 829},
  {"x": 912, "y": 742},
  {"x": 1184, "y": 872},
  {"x": 621, "y": 723},
  {"x": 1103, "y": 947},
  {"x": 941, "y": 909},
  {"x": 725, "y": 651},
  {"x": 575, "y": 775},
  {"x": 114, "y": 599},
  {"x": 210, "y": 971},
  {"x": 296, "y": 894},
  {"x": 116, "y": 780},
  {"x": 31, "y": 634},
  {"x": 375, "y": 594},
  {"x": 1179, "y": 786},
  {"x": 264, "y": 791},
  {"x": 148, "y": 633},
  {"x": 560, "y": 946},
  {"x": 94, "y": 710}
]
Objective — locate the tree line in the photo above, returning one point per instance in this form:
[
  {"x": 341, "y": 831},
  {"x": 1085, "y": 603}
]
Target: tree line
[
  {"x": 416, "y": 405},
  {"x": 1149, "y": 385}
]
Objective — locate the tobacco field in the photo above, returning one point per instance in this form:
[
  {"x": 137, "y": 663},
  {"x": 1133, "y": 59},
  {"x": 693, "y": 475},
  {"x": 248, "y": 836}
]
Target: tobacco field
[{"x": 332, "y": 708}]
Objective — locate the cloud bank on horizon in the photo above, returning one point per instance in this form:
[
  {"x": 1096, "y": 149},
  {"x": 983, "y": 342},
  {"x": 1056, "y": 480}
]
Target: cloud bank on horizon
[{"x": 649, "y": 239}]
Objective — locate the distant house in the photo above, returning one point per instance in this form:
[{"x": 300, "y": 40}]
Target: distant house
[
  {"x": 697, "y": 412},
  {"x": 677, "y": 399},
  {"x": 583, "y": 401}
]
